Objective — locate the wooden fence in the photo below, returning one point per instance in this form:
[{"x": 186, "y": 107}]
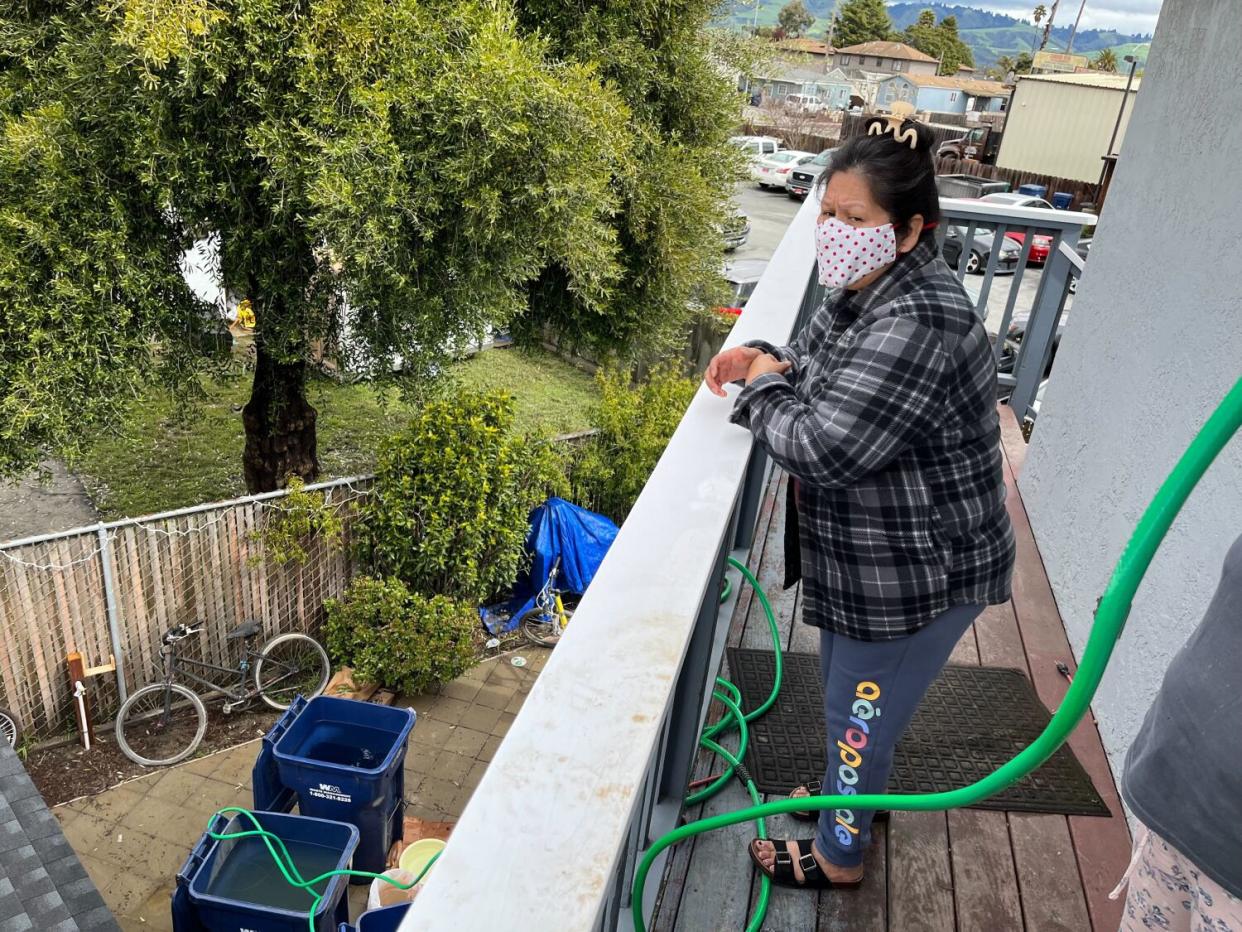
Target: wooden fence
[
  {"x": 1083, "y": 193},
  {"x": 111, "y": 590}
]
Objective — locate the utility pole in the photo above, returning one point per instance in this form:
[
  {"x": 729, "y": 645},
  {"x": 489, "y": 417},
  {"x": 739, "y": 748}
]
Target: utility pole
[
  {"x": 1052, "y": 14},
  {"x": 1074, "y": 31},
  {"x": 1104, "y": 172}
]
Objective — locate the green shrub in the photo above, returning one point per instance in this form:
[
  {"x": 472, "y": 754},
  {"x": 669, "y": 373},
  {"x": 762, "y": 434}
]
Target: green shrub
[
  {"x": 290, "y": 524},
  {"x": 634, "y": 424},
  {"x": 398, "y": 638},
  {"x": 448, "y": 512}
]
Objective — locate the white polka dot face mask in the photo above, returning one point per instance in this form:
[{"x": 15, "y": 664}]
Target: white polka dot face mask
[{"x": 845, "y": 253}]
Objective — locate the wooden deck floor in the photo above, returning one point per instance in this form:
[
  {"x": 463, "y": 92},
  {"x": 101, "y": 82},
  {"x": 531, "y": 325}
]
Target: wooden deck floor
[{"x": 969, "y": 870}]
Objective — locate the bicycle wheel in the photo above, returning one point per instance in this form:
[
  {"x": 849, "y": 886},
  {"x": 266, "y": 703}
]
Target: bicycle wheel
[
  {"x": 161, "y": 724},
  {"x": 291, "y": 665},
  {"x": 542, "y": 628},
  {"x": 10, "y": 730}
]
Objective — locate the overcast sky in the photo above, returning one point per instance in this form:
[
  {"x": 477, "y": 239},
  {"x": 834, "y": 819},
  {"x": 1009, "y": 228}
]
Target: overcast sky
[{"x": 1122, "y": 15}]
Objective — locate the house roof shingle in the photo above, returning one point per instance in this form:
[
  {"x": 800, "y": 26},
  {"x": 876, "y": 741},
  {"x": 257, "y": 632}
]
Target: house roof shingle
[
  {"x": 972, "y": 86},
  {"x": 887, "y": 50},
  {"x": 42, "y": 883},
  {"x": 807, "y": 46}
]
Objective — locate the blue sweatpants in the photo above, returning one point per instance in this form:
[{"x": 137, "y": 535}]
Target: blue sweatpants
[{"x": 871, "y": 691}]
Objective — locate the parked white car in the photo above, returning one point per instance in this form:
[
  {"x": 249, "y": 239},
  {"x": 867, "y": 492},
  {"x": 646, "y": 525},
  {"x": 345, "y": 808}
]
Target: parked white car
[
  {"x": 806, "y": 103},
  {"x": 771, "y": 171},
  {"x": 757, "y": 147}
]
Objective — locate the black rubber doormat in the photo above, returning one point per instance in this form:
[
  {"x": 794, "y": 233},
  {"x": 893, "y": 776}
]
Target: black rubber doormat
[{"x": 972, "y": 720}]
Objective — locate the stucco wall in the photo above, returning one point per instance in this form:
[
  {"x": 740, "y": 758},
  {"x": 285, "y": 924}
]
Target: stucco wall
[{"x": 1153, "y": 342}]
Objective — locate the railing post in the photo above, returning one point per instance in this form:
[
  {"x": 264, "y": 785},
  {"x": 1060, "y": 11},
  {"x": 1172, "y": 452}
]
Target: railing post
[
  {"x": 687, "y": 708},
  {"x": 752, "y": 494},
  {"x": 114, "y": 620},
  {"x": 1041, "y": 328}
]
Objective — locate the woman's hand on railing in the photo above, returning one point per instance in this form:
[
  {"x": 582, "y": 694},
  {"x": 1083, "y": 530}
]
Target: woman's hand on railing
[{"x": 730, "y": 366}]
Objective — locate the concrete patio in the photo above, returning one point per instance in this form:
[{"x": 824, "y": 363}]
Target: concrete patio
[{"x": 133, "y": 838}]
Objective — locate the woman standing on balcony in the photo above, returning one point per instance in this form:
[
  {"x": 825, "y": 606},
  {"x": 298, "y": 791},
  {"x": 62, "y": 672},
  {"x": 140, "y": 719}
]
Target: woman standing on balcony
[{"x": 883, "y": 412}]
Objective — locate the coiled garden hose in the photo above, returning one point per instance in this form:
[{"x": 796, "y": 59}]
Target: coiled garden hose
[
  {"x": 290, "y": 871},
  {"x": 1110, "y": 617}
]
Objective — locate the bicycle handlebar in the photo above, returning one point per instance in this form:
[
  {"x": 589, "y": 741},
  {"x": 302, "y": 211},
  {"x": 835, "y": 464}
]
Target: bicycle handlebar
[{"x": 180, "y": 632}]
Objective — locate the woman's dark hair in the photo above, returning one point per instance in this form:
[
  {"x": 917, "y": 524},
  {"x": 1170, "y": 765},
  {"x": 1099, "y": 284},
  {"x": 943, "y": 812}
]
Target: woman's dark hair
[{"x": 902, "y": 179}]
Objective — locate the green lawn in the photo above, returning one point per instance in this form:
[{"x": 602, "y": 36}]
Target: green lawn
[{"x": 159, "y": 458}]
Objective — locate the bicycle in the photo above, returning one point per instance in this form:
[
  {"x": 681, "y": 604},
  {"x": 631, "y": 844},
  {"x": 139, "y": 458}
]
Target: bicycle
[
  {"x": 545, "y": 622},
  {"x": 164, "y": 723},
  {"x": 10, "y": 728}
]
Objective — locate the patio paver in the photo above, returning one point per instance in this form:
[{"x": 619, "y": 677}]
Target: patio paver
[{"x": 133, "y": 838}]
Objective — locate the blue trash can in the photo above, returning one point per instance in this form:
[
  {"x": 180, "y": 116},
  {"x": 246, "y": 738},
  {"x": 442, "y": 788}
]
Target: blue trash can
[
  {"x": 343, "y": 760},
  {"x": 384, "y": 919},
  {"x": 1032, "y": 190},
  {"x": 236, "y": 886},
  {"x": 1061, "y": 200}
]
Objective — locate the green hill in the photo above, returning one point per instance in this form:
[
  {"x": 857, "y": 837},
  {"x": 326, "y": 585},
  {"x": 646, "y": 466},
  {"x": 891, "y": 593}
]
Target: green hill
[{"x": 989, "y": 35}]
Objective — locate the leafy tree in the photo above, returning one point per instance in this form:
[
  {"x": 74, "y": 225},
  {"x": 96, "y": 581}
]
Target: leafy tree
[
  {"x": 940, "y": 41},
  {"x": 383, "y": 176},
  {"x": 794, "y": 18},
  {"x": 953, "y": 51},
  {"x": 923, "y": 35},
  {"x": 1105, "y": 60},
  {"x": 674, "y": 187},
  {"x": 861, "y": 21}
]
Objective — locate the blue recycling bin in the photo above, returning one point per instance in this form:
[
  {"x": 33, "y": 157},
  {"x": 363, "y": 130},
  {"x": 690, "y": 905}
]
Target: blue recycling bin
[
  {"x": 1061, "y": 200},
  {"x": 384, "y": 919},
  {"x": 344, "y": 760},
  {"x": 235, "y": 885},
  {"x": 1033, "y": 190}
]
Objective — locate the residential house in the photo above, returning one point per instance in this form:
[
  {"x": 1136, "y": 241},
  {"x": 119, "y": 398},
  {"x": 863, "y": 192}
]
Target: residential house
[
  {"x": 886, "y": 57},
  {"x": 1061, "y": 124},
  {"x": 943, "y": 94},
  {"x": 833, "y": 90}
]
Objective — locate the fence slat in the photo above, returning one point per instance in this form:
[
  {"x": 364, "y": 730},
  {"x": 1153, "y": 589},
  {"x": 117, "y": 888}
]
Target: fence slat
[{"x": 176, "y": 568}]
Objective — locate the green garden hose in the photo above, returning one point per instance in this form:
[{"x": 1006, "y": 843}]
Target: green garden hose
[
  {"x": 290, "y": 871},
  {"x": 1110, "y": 617}
]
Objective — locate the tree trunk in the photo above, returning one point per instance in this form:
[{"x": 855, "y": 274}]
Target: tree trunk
[{"x": 280, "y": 425}]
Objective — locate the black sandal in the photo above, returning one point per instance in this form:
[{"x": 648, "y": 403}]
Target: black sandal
[
  {"x": 813, "y": 788},
  {"x": 782, "y": 872}
]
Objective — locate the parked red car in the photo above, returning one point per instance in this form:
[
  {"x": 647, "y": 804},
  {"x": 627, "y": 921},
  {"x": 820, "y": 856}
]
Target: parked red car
[{"x": 1041, "y": 245}]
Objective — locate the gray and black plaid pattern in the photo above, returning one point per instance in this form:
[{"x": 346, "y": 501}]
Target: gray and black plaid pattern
[{"x": 888, "y": 419}]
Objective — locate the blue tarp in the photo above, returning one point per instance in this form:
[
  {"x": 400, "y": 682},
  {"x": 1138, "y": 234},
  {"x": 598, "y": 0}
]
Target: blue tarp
[{"x": 558, "y": 530}]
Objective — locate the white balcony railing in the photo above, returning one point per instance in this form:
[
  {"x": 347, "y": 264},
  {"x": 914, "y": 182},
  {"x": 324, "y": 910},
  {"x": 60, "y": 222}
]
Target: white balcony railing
[{"x": 595, "y": 766}]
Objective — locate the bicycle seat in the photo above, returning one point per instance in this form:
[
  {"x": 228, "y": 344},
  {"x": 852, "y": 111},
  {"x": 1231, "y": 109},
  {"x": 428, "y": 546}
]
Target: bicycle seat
[{"x": 247, "y": 629}]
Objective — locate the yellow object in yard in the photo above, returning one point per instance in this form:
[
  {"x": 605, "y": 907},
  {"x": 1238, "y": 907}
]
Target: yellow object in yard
[
  {"x": 245, "y": 314},
  {"x": 418, "y": 855}
]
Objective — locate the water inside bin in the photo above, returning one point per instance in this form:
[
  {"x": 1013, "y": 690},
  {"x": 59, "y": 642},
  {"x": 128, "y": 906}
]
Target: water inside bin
[
  {"x": 244, "y": 871},
  {"x": 347, "y": 745}
]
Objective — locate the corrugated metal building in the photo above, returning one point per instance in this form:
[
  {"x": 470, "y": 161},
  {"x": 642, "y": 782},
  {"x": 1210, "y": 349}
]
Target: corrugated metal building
[{"x": 1060, "y": 124}]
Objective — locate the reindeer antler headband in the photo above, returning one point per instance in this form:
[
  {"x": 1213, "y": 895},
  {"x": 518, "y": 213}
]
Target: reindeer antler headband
[{"x": 901, "y": 112}]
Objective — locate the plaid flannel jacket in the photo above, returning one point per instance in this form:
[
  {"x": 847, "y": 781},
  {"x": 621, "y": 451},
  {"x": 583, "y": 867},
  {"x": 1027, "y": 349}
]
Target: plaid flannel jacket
[{"x": 888, "y": 418}]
